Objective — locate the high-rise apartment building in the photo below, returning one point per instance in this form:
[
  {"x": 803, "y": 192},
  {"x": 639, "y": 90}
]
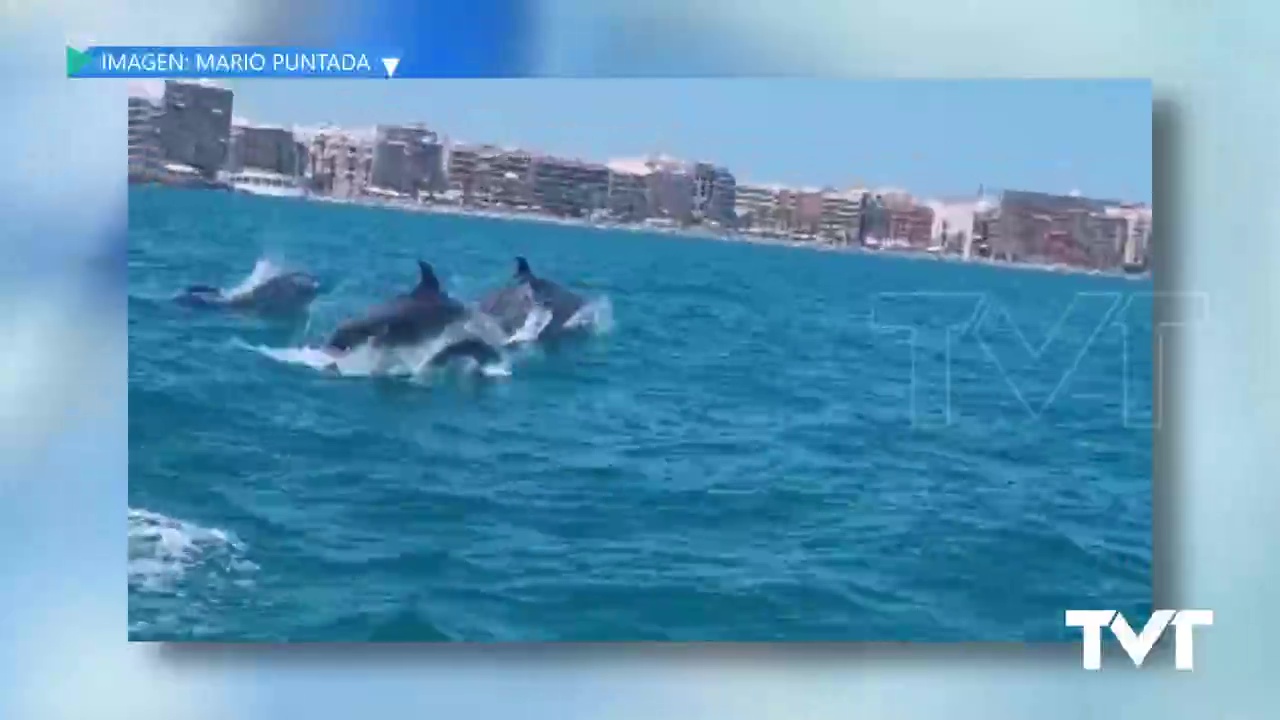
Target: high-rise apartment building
[
  {"x": 144, "y": 139},
  {"x": 408, "y": 159},
  {"x": 263, "y": 147},
  {"x": 195, "y": 125}
]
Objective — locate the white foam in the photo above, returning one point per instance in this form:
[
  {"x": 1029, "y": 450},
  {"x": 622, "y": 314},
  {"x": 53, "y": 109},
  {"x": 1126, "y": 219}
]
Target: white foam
[
  {"x": 534, "y": 323},
  {"x": 597, "y": 315},
  {"x": 413, "y": 361},
  {"x": 496, "y": 370},
  {"x": 162, "y": 550},
  {"x": 312, "y": 357},
  {"x": 263, "y": 270}
]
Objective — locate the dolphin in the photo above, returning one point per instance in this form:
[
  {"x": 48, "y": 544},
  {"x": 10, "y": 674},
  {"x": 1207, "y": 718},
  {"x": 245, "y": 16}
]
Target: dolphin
[
  {"x": 511, "y": 305},
  {"x": 410, "y": 318},
  {"x": 284, "y": 294}
]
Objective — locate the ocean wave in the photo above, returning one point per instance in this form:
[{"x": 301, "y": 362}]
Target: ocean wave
[
  {"x": 406, "y": 623},
  {"x": 741, "y": 463}
]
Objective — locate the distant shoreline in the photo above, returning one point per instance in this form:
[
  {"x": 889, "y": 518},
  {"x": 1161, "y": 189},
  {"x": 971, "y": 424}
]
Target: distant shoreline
[
  {"x": 696, "y": 233},
  {"x": 700, "y": 234}
]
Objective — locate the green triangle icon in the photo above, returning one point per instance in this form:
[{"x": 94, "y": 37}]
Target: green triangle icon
[{"x": 76, "y": 60}]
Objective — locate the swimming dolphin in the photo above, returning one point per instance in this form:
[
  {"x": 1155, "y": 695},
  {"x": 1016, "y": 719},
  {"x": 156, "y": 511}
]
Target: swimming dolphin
[
  {"x": 408, "y": 319},
  {"x": 284, "y": 294},
  {"x": 511, "y": 306}
]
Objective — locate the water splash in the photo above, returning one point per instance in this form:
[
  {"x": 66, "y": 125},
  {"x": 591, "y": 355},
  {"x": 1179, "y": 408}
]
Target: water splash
[
  {"x": 263, "y": 270},
  {"x": 408, "y": 361},
  {"x": 534, "y": 323},
  {"x": 596, "y": 316},
  {"x": 163, "y": 550}
]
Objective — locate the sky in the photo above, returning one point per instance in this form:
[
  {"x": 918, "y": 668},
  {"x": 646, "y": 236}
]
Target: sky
[{"x": 933, "y": 138}]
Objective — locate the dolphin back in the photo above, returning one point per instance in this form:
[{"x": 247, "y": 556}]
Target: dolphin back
[
  {"x": 403, "y": 321},
  {"x": 372, "y": 324},
  {"x": 563, "y": 303},
  {"x": 201, "y": 296}
]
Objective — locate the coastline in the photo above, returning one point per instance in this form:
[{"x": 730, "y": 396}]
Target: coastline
[{"x": 704, "y": 234}]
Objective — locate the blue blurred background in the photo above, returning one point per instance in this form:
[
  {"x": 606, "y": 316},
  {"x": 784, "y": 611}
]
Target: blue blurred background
[{"x": 63, "y": 403}]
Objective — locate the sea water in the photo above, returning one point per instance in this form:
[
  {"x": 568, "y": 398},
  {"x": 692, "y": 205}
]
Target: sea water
[{"x": 750, "y": 443}]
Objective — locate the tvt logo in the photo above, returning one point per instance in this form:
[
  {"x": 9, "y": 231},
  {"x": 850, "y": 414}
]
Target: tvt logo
[
  {"x": 1138, "y": 644},
  {"x": 1036, "y": 364}
]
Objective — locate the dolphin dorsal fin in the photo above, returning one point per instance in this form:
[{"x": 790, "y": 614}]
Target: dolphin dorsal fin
[
  {"x": 427, "y": 283},
  {"x": 522, "y": 268}
]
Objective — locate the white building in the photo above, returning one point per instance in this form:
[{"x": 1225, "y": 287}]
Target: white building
[
  {"x": 510, "y": 177},
  {"x": 669, "y": 186},
  {"x": 894, "y": 198},
  {"x": 408, "y": 159},
  {"x": 487, "y": 175},
  {"x": 953, "y": 223},
  {"x": 341, "y": 162},
  {"x": 1136, "y": 240},
  {"x": 757, "y": 207},
  {"x": 671, "y": 189},
  {"x": 841, "y": 215},
  {"x": 569, "y": 187},
  {"x": 629, "y": 189}
]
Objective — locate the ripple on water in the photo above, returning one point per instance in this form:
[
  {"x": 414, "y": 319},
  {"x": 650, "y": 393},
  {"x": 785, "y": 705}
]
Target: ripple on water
[{"x": 741, "y": 454}]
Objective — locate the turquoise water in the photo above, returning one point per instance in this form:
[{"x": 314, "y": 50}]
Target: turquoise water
[{"x": 738, "y": 453}]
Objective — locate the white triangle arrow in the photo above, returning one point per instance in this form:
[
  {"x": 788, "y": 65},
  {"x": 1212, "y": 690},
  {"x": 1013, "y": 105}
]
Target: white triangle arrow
[{"x": 390, "y": 64}]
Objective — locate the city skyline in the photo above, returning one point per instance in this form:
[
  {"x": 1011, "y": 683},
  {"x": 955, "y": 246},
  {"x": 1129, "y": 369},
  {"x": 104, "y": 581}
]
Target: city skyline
[{"x": 1086, "y": 136}]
